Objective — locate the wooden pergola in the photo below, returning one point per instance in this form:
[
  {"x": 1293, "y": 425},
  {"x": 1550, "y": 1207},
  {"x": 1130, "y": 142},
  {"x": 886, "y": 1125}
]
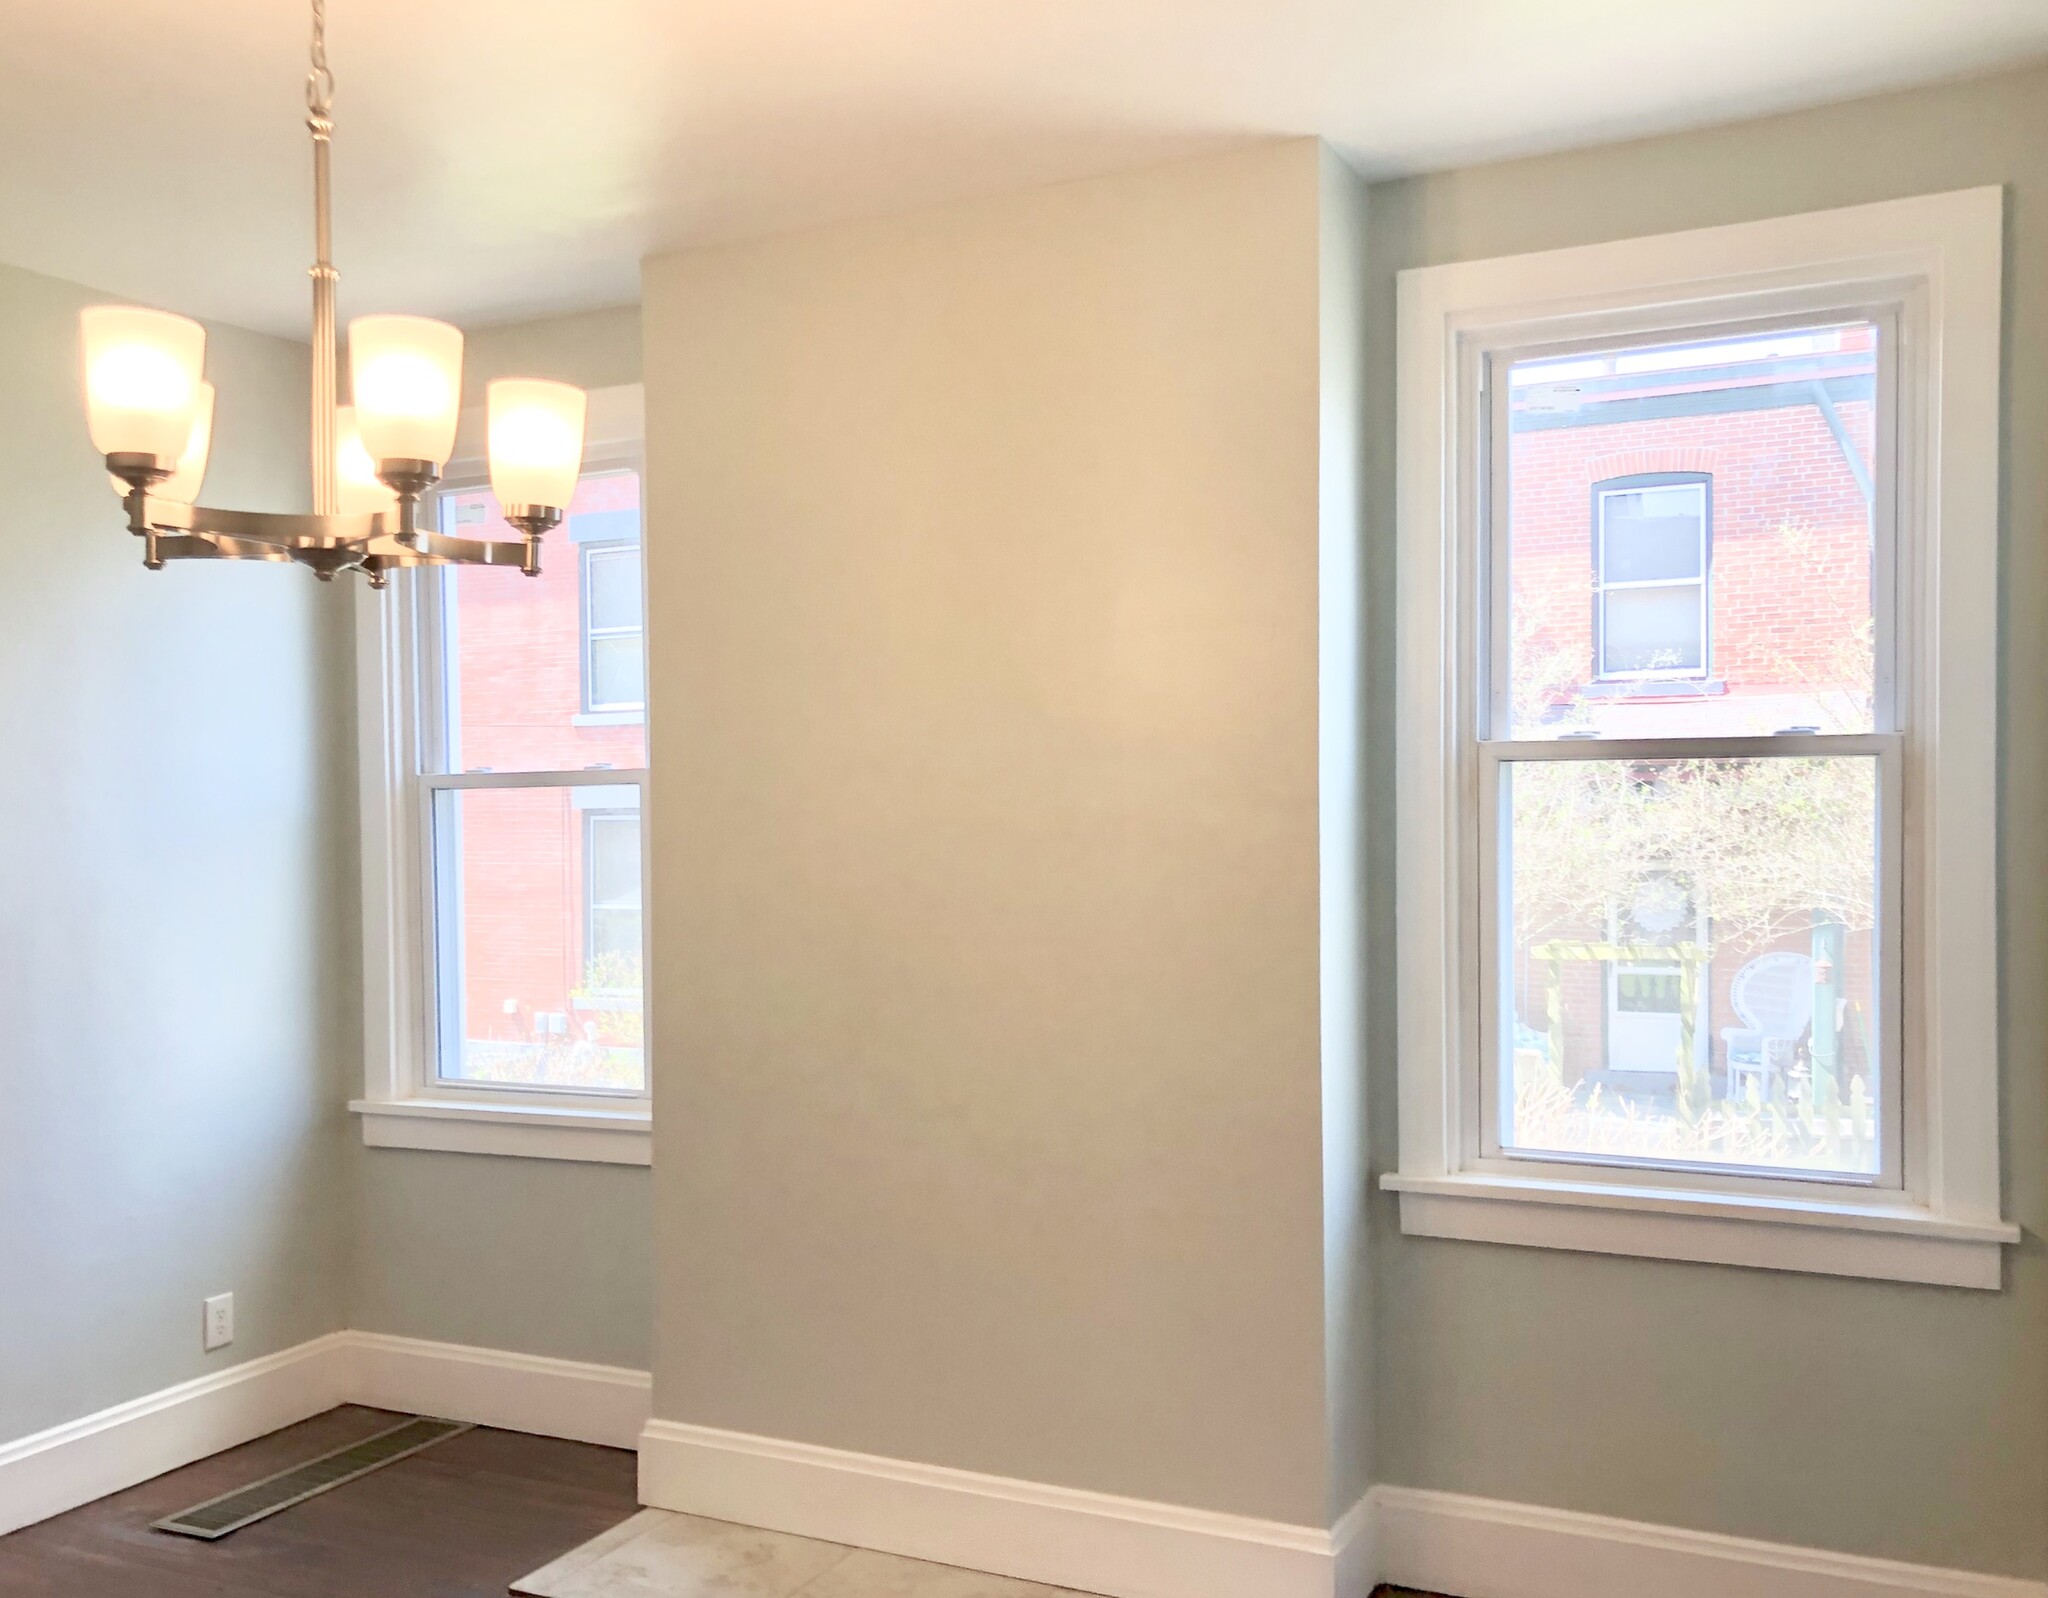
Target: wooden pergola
[{"x": 1690, "y": 958}]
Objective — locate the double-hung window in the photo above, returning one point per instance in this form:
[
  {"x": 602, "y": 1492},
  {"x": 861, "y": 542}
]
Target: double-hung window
[
  {"x": 505, "y": 777},
  {"x": 1697, "y": 730}
]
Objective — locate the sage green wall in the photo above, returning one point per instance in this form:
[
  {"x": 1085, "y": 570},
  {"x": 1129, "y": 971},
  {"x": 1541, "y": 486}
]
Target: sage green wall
[
  {"x": 592, "y": 349},
  {"x": 1341, "y": 761},
  {"x": 173, "y": 793},
  {"x": 1904, "y": 1421},
  {"x": 540, "y": 1256},
  {"x": 983, "y": 563}
]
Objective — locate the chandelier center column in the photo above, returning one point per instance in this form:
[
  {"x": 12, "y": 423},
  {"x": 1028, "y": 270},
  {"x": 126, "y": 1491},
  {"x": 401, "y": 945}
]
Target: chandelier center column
[{"x": 320, "y": 122}]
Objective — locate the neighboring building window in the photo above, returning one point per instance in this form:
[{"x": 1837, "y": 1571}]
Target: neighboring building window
[
  {"x": 611, "y": 899},
  {"x": 614, "y": 664},
  {"x": 1650, "y": 577},
  {"x": 1660, "y": 852},
  {"x": 503, "y": 831}
]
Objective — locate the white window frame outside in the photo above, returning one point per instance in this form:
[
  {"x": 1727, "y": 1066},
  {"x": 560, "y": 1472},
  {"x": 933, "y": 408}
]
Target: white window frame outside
[
  {"x": 398, "y": 643},
  {"x": 1933, "y": 264},
  {"x": 595, "y": 820},
  {"x": 1602, "y": 493},
  {"x": 590, "y": 632}
]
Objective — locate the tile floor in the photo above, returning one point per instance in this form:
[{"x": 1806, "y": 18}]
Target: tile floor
[{"x": 657, "y": 1554}]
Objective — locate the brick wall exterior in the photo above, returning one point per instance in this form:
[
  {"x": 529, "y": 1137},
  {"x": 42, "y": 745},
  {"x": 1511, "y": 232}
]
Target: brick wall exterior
[{"x": 1789, "y": 545}]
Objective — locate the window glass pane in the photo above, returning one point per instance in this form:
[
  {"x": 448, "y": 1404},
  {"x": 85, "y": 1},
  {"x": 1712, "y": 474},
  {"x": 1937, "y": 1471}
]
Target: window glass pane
[
  {"x": 615, "y": 860},
  {"x": 1689, "y": 977},
  {"x": 614, "y": 588},
  {"x": 1747, "y": 464},
  {"x": 1653, "y": 533},
  {"x": 537, "y": 917},
  {"x": 617, "y": 672},
  {"x": 1651, "y": 629},
  {"x": 513, "y": 663}
]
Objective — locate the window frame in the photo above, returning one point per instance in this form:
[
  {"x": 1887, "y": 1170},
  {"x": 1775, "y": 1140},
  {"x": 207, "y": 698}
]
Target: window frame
[
  {"x": 1933, "y": 263},
  {"x": 400, "y": 642},
  {"x": 1602, "y": 492}
]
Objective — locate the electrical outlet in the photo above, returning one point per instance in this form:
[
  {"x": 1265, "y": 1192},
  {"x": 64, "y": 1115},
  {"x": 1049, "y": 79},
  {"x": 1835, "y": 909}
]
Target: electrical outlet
[{"x": 220, "y": 1321}]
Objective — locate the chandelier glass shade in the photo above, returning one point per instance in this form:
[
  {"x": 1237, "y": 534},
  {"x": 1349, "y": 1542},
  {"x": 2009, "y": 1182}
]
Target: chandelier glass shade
[
  {"x": 150, "y": 412},
  {"x": 141, "y": 379},
  {"x": 183, "y": 483},
  {"x": 535, "y": 433},
  {"x": 358, "y": 492}
]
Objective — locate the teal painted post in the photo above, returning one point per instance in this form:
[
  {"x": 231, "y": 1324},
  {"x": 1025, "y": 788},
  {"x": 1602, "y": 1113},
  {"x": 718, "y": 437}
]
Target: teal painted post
[{"x": 1826, "y": 1047}]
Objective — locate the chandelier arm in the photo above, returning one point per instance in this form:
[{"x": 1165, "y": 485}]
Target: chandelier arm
[
  {"x": 186, "y": 546},
  {"x": 432, "y": 549},
  {"x": 278, "y": 530}
]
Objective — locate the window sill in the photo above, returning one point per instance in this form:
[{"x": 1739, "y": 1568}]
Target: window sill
[
  {"x": 1890, "y": 1242},
  {"x": 537, "y": 1132},
  {"x": 608, "y": 718}
]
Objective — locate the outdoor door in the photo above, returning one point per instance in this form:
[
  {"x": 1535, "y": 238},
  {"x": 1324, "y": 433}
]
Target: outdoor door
[{"x": 1642, "y": 1018}]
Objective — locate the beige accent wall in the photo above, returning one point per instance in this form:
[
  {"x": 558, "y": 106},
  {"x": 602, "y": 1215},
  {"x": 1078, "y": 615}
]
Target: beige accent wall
[
  {"x": 984, "y": 591},
  {"x": 1881, "y": 1418},
  {"x": 539, "y": 1256},
  {"x": 174, "y": 963}
]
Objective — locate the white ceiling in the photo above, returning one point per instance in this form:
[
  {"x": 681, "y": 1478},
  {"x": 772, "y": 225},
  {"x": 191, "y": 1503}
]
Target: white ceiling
[{"x": 498, "y": 158}]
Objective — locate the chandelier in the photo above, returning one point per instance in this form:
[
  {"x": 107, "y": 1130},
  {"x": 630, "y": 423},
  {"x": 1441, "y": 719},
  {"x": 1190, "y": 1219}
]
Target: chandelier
[{"x": 151, "y": 416}]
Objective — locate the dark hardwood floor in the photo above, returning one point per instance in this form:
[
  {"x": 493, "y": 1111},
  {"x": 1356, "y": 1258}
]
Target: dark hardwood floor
[{"x": 462, "y": 1520}]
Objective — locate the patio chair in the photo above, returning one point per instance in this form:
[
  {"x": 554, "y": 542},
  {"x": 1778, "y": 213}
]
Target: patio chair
[{"x": 1773, "y": 994}]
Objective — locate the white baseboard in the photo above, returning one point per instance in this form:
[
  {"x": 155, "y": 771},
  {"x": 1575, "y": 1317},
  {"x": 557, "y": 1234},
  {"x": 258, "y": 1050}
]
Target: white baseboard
[
  {"x": 1482, "y": 1548},
  {"x": 492, "y": 1387},
  {"x": 1355, "y": 1550},
  {"x": 1125, "y": 1547},
  {"x": 1128, "y": 1548},
  {"x": 75, "y": 1463},
  {"x": 59, "y": 1469}
]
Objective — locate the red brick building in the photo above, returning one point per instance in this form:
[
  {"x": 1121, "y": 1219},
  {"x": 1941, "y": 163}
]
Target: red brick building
[{"x": 1775, "y": 456}]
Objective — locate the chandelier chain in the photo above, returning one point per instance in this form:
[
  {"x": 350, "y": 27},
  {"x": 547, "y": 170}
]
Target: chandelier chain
[{"x": 320, "y": 79}]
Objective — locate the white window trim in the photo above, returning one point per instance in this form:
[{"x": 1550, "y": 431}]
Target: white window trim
[
  {"x": 402, "y": 1107},
  {"x": 1941, "y": 257}
]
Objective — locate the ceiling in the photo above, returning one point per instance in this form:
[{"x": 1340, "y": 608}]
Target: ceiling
[{"x": 502, "y": 158}]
